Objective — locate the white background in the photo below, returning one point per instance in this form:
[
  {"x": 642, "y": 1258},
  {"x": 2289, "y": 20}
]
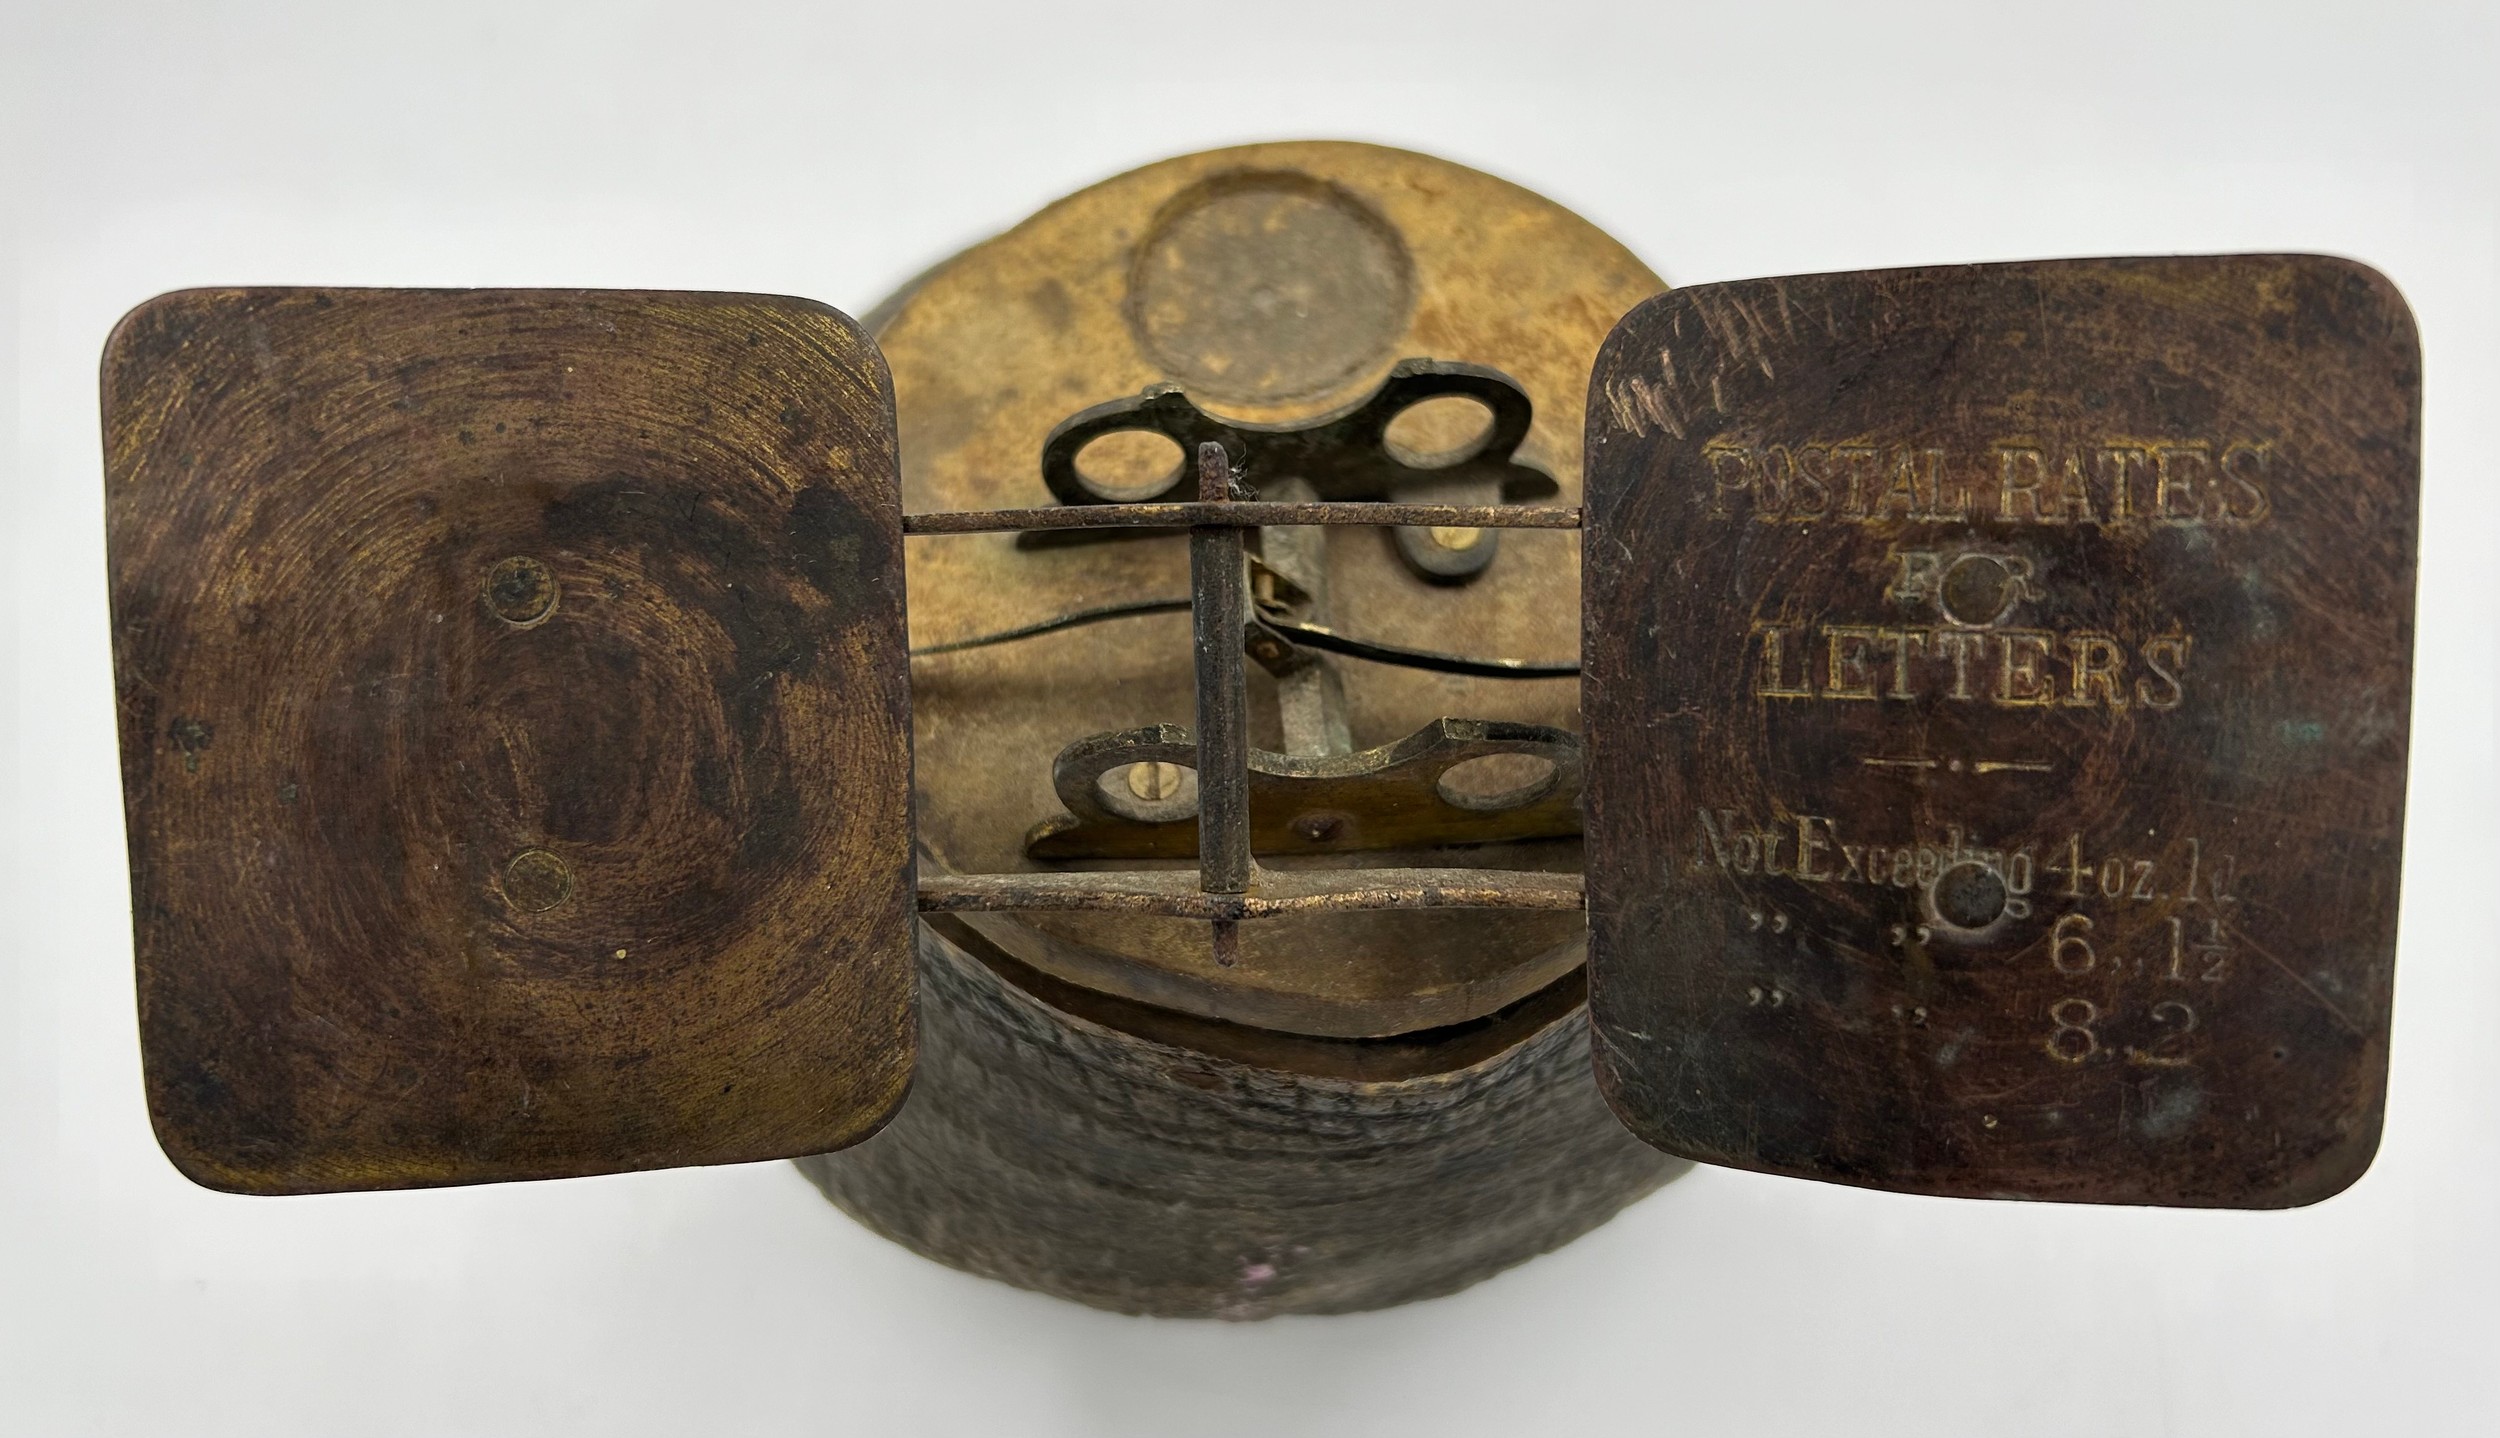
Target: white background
[{"x": 831, "y": 150}]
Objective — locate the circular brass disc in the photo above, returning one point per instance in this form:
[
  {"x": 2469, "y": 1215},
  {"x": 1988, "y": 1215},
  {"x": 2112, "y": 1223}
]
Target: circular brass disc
[{"x": 1276, "y": 283}]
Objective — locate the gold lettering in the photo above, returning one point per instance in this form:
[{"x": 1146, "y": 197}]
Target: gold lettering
[
  {"x": 2010, "y": 459},
  {"x": 2074, "y": 496},
  {"x": 2020, "y": 681},
  {"x": 1853, "y": 505},
  {"x": 1959, "y": 644},
  {"x": 2176, "y": 481},
  {"x": 1770, "y": 680},
  {"x": 2167, "y": 657},
  {"x": 1856, "y": 662},
  {"x": 1716, "y": 835},
  {"x": 1916, "y": 490},
  {"x": 1771, "y": 484},
  {"x": 2028, "y": 495},
  {"x": 2170, "y": 481},
  {"x": 2244, "y": 476},
  {"x": 1844, "y": 673},
  {"x": 1902, "y": 641},
  {"x": 1916, "y": 579},
  {"x": 1808, "y": 846},
  {"x": 2096, "y": 664},
  {"x": 1809, "y": 494},
  {"x": 1770, "y": 841},
  {"x": 1719, "y": 458},
  {"x": 1935, "y": 476},
  {"x": 2124, "y": 460}
]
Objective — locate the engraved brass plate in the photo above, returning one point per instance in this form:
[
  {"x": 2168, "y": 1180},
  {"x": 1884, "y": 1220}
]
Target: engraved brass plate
[
  {"x": 1997, "y": 690},
  {"x": 514, "y": 737}
]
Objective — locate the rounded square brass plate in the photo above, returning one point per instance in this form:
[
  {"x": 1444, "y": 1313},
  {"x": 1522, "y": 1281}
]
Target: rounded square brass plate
[
  {"x": 513, "y": 721},
  {"x": 1997, "y": 689}
]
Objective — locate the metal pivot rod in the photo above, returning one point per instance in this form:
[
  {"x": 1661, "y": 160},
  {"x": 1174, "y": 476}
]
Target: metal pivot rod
[
  {"x": 1243, "y": 514},
  {"x": 1277, "y": 892},
  {"x": 1219, "y": 590}
]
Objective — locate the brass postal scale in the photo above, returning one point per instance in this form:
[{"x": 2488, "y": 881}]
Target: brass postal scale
[{"x": 1292, "y": 732}]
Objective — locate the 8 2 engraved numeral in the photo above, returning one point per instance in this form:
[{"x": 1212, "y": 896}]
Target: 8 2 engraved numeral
[{"x": 2074, "y": 1037}]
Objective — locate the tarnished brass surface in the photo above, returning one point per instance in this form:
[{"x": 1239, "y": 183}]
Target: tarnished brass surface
[
  {"x": 1391, "y": 797},
  {"x": 1270, "y": 892},
  {"x": 1277, "y": 283},
  {"x": 511, "y": 696},
  {"x": 1997, "y": 692}
]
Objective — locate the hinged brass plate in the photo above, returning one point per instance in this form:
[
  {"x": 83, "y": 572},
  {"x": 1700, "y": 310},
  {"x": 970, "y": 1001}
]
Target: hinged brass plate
[
  {"x": 513, "y": 709},
  {"x": 1997, "y": 689}
]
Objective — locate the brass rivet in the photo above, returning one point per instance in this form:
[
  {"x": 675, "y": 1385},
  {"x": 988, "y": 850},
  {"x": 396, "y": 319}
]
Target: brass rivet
[
  {"x": 1968, "y": 895},
  {"x": 536, "y": 881},
  {"x": 1319, "y": 828},
  {"x": 1980, "y": 590},
  {"x": 1453, "y": 538},
  {"x": 1153, "y": 780},
  {"x": 520, "y": 592}
]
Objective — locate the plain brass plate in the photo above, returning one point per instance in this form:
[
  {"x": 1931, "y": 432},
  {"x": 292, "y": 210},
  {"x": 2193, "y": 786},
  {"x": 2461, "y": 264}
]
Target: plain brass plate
[{"x": 513, "y": 722}]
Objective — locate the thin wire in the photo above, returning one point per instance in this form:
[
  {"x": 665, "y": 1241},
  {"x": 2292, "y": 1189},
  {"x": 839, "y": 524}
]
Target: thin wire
[
  {"x": 1400, "y": 655},
  {"x": 1367, "y": 650},
  {"x": 1065, "y": 621}
]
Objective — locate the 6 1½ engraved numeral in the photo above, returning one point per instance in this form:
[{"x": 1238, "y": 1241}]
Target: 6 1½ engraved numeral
[
  {"x": 2204, "y": 962},
  {"x": 2071, "y": 952}
]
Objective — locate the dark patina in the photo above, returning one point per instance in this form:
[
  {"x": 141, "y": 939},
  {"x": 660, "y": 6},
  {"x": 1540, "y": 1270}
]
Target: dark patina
[
  {"x": 514, "y": 731},
  {"x": 1997, "y": 686}
]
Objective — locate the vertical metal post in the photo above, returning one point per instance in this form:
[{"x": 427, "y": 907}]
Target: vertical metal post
[{"x": 1219, "y": 613}]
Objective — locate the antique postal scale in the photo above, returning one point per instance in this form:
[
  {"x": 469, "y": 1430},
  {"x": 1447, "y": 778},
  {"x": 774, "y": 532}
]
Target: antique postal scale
[{"x": 1292, "y": 732}]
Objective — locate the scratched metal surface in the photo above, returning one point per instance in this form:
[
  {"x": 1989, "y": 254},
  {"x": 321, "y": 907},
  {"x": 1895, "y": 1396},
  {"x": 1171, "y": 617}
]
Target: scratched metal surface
[
  {"x": 1997, "y": 695},
  {"x": 513, "y": 726},
  {"x": 1278, "y": 284}
]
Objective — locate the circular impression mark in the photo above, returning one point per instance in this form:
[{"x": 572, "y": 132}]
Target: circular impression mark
[
  {"x": 1978, "y": 590},
  {"x": 536, "y": 881},
  {"x": 1968, "y": 896},
  {"x": 1259, "y": 288},
  {"x": 520, "y": 592}
]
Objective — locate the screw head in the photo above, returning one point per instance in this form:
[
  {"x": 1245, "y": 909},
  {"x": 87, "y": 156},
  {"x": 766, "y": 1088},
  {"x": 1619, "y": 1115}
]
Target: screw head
[
  {"x": 1154, "y": 780},
  {"x": 535, "y": 881},
  {"x": 1319, "y": 828},
  {"x": 521, "y": 592}
]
